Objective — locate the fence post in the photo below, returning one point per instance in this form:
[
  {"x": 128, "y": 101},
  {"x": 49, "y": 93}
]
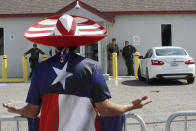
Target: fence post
[
  {"x": 137, "y": 64},
  {"x": 136, "y": 117},
  {"x": 17, "y": 124},
  {"x": 13, "y": 118},
  {"x": 185, "y": 126},
  {"x": 125, "y": 124},
  {"x": 45, "y": 57},
  {"x": 177, "y": 114},
  {"x": 114, "y": 65},
  {"x": 25, "y": 68},
  {"x": 4, "y": 67}
]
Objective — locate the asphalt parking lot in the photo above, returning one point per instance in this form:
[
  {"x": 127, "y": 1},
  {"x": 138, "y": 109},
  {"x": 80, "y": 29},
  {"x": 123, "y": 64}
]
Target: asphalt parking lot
[{"x": 167, "y": 97}]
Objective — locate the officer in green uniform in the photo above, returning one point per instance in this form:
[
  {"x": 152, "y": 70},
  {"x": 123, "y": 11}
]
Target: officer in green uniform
[
  {"x": 127, "y": 53},
  {"x": 34, "y": 58},
  {"x": 111, "y": 48}
]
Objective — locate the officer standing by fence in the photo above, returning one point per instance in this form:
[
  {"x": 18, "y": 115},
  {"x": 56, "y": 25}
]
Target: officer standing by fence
[
  {"x": 111, "y": 48},
  {"x": 127, "y": 53},
  {"x": 34, "y": 58}
]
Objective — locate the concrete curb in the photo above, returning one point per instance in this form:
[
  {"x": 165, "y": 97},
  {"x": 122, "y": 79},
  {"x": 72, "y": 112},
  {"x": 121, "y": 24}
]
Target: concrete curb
[{"x": 108, "y": 77}]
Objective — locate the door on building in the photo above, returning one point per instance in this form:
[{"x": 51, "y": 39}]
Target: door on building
[
  {"x": 166, "y": 35},
  {"x": 91, "y": 51},
  {"x": 95, "y": 52},
  {"x": 1, "y": 41}
]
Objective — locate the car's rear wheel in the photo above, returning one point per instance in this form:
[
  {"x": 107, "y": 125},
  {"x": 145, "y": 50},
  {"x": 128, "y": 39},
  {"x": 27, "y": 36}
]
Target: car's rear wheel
[
  {"x": 139, "y": 75},
  {"x": 190, "y": 80}
]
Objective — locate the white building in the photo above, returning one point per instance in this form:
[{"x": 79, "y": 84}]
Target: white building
[{"x": 143, "y": 23}]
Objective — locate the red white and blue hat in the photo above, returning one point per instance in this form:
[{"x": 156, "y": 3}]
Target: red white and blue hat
[{"x": 65, "y": 30}]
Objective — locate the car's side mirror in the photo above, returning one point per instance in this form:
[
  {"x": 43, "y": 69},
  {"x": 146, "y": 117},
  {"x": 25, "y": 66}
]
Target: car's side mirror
[{"x": 141, "y": 57}]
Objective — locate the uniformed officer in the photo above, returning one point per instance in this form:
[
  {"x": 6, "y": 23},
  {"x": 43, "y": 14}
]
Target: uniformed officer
[
  {"x": 111, "y": 48},
  {"x": 34, "y": 58},
  {"x": 127, "y": 53}
]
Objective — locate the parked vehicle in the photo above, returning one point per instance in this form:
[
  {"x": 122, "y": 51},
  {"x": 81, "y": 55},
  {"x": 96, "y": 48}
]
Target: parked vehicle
[{"x": 166, "y": 62}]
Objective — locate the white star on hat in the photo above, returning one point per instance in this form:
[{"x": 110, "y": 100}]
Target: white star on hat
[{"x": 62, "y": 75}]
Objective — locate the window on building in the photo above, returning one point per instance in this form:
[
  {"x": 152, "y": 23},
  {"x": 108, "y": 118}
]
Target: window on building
[
  {"x": 1, "y": 42},
  {"x": 166, "y": 35}
]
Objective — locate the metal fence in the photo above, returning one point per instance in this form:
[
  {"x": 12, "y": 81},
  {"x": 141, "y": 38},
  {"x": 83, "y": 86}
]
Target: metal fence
[
  {"x": 127, "y": 116},
  {"x": 136, "y": 117},
  {"x": 126, "y": 123},
  {"x": 178, "y": 114},
  {"x": 12, "y": 118}
]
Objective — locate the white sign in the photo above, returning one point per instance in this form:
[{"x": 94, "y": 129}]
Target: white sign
[{"x": 136, "y": 39}]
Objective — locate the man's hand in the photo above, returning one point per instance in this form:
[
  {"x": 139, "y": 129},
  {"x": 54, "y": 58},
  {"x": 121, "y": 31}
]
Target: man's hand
[
  {"x": 139, "y": 103},
  {"x": 30, "y": 110},
  {"x": 108, "y": 108},
  {"x": 11, "y": 108}
]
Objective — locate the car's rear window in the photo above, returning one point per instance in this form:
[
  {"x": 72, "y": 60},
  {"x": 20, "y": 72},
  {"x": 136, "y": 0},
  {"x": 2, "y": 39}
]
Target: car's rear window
[{"x": 170, "y": 52}]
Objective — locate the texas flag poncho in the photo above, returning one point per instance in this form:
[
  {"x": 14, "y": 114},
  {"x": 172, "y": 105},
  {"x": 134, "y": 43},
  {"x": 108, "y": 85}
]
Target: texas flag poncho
[{"x": 67, "y": 92}]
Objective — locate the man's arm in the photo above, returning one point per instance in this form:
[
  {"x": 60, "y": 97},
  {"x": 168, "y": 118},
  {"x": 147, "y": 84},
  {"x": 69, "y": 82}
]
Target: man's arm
[
  {"x": 108, "y": 108},
  {"x": 29, "y": 51},
  {"x": 134, "y": 49},
  {"x": 30, "y": 110},
  {"x": 40, "y": 51},
  {"x": 109, "y": 54},
  {"x": 123, "y": 52},
  {"x": 117, "y": 50}
]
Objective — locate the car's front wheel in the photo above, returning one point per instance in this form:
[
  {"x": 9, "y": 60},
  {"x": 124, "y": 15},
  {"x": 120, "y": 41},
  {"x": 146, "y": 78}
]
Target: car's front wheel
[{"x": 190, "y": 80}]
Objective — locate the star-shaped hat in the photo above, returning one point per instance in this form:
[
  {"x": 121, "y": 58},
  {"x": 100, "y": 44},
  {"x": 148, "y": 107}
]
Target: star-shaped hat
[{"x": 65, "y": 30}]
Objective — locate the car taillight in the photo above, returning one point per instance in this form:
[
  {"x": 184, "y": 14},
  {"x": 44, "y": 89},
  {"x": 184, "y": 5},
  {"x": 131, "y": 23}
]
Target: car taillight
[
  {"x": 189, "y": 62},
  {"x": 157, "y": 62}
]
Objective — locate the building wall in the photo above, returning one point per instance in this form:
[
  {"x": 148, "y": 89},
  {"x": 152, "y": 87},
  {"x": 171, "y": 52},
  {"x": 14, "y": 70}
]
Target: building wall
[
  {"x": 103, "y": 43},
  {"x": 15, "y": 47},
  {"x": 148, "y": 27}
]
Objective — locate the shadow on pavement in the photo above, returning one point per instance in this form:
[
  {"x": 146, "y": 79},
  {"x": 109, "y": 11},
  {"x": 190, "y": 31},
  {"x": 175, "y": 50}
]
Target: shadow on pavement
[{"x": 154, "y": 83}]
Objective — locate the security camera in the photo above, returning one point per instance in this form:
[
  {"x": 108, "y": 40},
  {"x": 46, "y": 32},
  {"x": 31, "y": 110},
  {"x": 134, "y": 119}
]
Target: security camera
[{"x": 77, "y": 5}]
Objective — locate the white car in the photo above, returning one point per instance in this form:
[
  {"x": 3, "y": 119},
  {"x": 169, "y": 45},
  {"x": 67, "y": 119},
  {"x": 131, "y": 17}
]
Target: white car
[{"x": 166, "y": 62}]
